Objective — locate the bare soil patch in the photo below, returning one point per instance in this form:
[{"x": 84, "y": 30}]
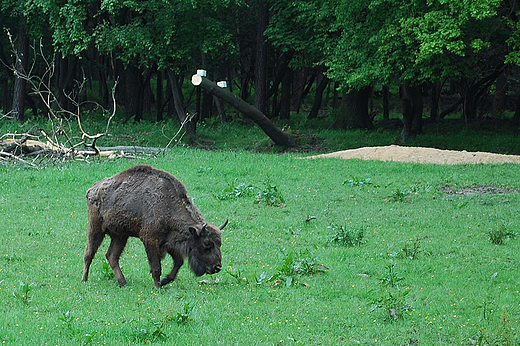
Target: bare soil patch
[
  {"x": 421, "y": 155},
  {"x": 476, "y": 190}
]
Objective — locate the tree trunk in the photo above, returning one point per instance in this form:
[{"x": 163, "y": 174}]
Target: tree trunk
[
  {"x": 283, "y": 77},
  {"x": 148, "y": 96},
  {"x": 321, "y": 84},
  {"x": 261, "y": 58},
  {"x": 160, "y": 95},
  {"x": 189, "y": 126},
  {"x": 5, "y": 87},
  {"x": 207, "y": 106},
  {"x": 353, "y": 111},
  {"x": 20, "y": 84},
  {"x": 499, "y": 99},
  {"x": 386, "y": 102},
  {"x": 285, "y": 96},
  {"x": 220, "y": 109},
  {"x": 472, "y": 91},
  {"x": 278, "y": 137},
  {"x": 281, "y": 73},
  {"x": 516, "y": 117},
  {"x": 133, "y": 93},
  {"x": 465, "y": 89},
  {"x": 435, "y": 100},
  {"x": 335, "y": 100},
  {"x": 412, "y": 111},
  {"x": 299, "y": 78},
  {"x": 67, "y": 68}
]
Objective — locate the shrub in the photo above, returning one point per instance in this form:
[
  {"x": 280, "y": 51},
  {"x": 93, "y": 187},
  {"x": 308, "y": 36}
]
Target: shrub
[
  {"x": 346, "y": 237},
  {"x": 271, "y": 196}
]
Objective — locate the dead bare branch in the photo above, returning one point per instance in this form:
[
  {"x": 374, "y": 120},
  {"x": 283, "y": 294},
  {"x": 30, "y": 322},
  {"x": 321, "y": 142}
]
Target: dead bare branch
[
  {"x": 39, "y": 145},
  {"x": 186, "y": 120},
  {"x": 15, "y": 157}
]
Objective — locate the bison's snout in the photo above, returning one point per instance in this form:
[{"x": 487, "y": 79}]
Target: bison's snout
[{"x": 215, "y": 269}]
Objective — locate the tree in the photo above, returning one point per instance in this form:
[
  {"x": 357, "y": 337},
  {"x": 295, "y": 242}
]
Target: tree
[
  {"x": 261, "y": 58},
  {"x": 145, "y": 37},
  {"x": 419, "y": 41},
  {"x": 23, "y": 20},
  {"x": 303, "y": 32},
  {"x": 353, "y": 112},
  {"x": 20, "y": 72}
]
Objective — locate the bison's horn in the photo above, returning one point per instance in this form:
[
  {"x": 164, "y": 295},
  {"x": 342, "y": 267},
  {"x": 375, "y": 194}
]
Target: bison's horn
[{"x": 221, "y": 227}]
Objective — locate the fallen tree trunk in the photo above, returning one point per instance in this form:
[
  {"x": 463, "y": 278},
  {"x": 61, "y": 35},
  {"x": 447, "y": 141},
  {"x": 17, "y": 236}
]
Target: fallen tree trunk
[
  {"x": 134, "y": 149},
  {"x": 11, "y": 148},
  {"x": 279, "y": 137}
]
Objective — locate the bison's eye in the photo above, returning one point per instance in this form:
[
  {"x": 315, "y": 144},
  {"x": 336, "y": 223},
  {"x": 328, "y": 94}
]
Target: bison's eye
[{"x": 207, "y": 245}]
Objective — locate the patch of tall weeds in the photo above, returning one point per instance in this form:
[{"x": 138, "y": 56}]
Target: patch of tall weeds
[
  {"x": 343, "y": 236},
  {"x": 391, "y": 295}
]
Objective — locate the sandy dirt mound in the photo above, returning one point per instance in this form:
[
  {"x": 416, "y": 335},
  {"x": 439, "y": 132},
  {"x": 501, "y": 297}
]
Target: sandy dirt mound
[{"x": 421, "y": 155}]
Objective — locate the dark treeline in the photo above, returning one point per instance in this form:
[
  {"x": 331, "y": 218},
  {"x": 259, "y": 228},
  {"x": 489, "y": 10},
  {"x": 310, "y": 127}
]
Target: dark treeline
[{"x": 273, "y": 54}]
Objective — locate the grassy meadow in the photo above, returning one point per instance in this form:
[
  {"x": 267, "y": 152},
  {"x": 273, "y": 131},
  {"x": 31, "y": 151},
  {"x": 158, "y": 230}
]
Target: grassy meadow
[{"x": 317, "y": 252}]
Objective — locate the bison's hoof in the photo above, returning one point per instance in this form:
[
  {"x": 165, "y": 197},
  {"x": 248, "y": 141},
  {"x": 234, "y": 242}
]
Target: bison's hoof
[{"x": 165, "y": 281}]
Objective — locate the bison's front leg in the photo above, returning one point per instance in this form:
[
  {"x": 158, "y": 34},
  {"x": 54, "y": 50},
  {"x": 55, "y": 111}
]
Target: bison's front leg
[
  {"x": 177, "y": 263},
  {"x": 154, "y": 259}
]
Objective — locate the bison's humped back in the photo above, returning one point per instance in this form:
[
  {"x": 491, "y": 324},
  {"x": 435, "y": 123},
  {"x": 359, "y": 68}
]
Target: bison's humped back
[{"x": 146, "y": 194}]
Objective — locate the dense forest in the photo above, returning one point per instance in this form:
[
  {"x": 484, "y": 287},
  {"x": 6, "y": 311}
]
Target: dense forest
[{"x": 435, "y": 56}]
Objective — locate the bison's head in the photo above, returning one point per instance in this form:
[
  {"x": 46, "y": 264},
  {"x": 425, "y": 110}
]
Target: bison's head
[{"x": 205, "y": 256}]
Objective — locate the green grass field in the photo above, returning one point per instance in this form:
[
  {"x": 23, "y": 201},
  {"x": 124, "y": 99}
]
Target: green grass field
[{"x": 347, "y": 252}]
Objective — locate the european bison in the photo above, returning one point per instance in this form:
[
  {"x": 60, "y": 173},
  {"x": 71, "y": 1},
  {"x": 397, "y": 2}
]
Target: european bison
[{"x": 152, "y": 205}]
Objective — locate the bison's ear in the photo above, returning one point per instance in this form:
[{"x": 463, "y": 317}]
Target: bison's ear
[
  {"x": 199, "y": 233},
  {"x": 194, "y": 232}
]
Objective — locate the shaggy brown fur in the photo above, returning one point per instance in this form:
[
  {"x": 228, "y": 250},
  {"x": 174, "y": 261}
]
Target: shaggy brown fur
[{"x": 152, "y": 205}]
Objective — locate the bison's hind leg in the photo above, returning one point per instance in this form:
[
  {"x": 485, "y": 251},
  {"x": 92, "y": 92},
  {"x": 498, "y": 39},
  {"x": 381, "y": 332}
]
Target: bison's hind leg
[
  {"x": 117, "y": 245},
  {"x": 95, "y": 238}
]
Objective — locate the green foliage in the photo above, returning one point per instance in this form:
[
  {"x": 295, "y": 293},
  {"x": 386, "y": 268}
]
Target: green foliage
[
  {"x": 184, "y": 316},
  {"x": 271, "y": 195},
  {"x": 241, "y": 277},
  {"x": 156, "y": 331},
  {"x": 302, "y": 26},
  {"x": 500, "y": 233},
  {"x": 238, "y": 275},
  {"x": 414, "y": 41},
  {"x": 147, "y": 32},
  {"x": 68, "y": 322},
  {"x": 346, "y": 237},
  {"x": 398, "y": 195},
  {"x": 106, "y": 271},
  {"x": 296, "y": 265},
  {"x": 390, "y": 278},
  {"x": 412, "y": 247},
  {"x": 23, "y": 294},
  {"x": 495, "y": 331},
  {"x": 356, "y": 181},
  {"x": 391, "y": 298},
  {"x": 403, "y": 194},
  {"x": 235, "y": 190}
]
